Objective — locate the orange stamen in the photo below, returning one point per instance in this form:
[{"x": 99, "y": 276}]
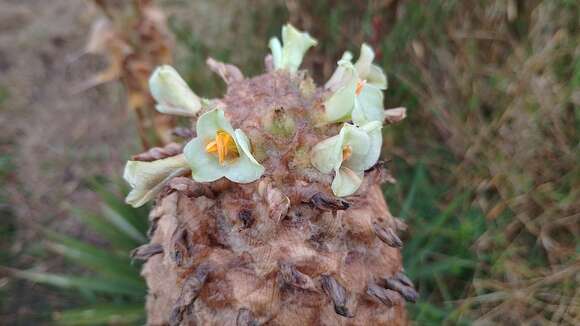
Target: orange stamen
[
  {"x": 223, "y": 145},
  {"x": 359, "y": 86},
  {"x": 346, "y": 152}
]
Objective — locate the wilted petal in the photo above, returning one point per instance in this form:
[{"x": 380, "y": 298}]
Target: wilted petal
[
  {"x": 368, "y": 106},
  {"x": 346, "y": 181},
  {"x": 295, "y": 44},
  {"x": 148, "y": 178},
  {"x": 172, "y": 94},
  {"x": 395, "y": 115}
]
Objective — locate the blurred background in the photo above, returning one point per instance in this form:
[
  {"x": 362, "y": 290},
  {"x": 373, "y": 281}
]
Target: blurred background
[{"x": 487, "y": 162}]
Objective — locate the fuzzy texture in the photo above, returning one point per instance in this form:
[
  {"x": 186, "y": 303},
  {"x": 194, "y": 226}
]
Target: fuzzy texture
[{"x": 282, "y": 250}]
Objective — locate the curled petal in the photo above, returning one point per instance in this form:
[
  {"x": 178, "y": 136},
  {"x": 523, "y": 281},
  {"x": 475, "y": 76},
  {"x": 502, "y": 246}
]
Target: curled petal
[
  {"x": 148, "y": 178},
  {"x": 295, "y": 44},
  {"x": 204, "y": 167},
  {"x": 172, "y": 94}
]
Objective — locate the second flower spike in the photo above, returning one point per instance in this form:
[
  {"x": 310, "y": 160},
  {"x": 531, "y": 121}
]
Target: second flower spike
[{"x": 220, "y": 151}]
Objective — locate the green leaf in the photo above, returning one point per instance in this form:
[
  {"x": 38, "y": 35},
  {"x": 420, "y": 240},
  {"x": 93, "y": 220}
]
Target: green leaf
[
  {"x": 81, "y": 283},
  {"x": 124, "y": 314},
  {"x": 106, "y": 229}
]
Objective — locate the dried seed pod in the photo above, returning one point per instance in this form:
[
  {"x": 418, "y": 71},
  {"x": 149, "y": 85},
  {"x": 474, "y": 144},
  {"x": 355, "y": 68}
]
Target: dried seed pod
[
  {"x": 386, "y": 296},
  {"x": 189, "y": 292},
  {"x": 337, "y": 294},
  {"x": 402, "y": 278},
  {"x": 290, "y": 275},
  {"x": 325, "y": 202},
  {"x": 246, "y": 318},
  {"x": 408, "y": 292},
  {"x": 158, "y": 153},
  {"x": 189, "y": 187},
  {"x": 387, "y": 235},
  {"x": 146, "y": 251}
]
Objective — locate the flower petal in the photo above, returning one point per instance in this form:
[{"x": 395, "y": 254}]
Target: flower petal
[
  {"x": 366, "y": 70},
  {"x": 243, "y": 170},
  {"x": 346, "y": 182},
  {"x": 374, "y": 131},
  {"x": 210, "y": 123},
  {"x": 244, "y": 144},
  {"x": 296, "y": 44},
  {"x": 368, "y": 106},
  {"x": 377, "y": 77},
  {"x": 365, "y": 60},
  {"x": 172, "y": 94},
  {"x": 148, "y": 178},
  {"x": 358, "y": 141},
  {"x": 204, "y": 167},
  {"x": 338, "y": 77},
  {"x": 340, "y": 104},
  {"x": 276, "y": 49},
  {"x": 327, "y": 154}
]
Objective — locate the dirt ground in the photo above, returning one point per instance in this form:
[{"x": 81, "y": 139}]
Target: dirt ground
[{"x": 54, "y": 138}]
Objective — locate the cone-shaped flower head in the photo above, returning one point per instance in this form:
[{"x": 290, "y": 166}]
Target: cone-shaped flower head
[
  {"x": 357, "y": 90},
  {"x": 148, "y": 178},
  {"x": 349, "y": 154},
  {"x": 220, "y": 151},
  {"x": 172, "y": 94},
  {"x": 289, "y": 56}
]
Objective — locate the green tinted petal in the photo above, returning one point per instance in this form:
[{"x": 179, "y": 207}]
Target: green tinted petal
[
  {"x": 377, "y": 77},
  {"x": 368, "y": 106},
  {"x": 338, "y": 77},
  {"x": 243, "y": 143},
  {"x": 365, "y": 59},
  {"x": 276, "y": 49},
  {"x": 327, "y": 154},
  {"x": 244, "y": 170},
  {"x": 374, "y": 132},
  {"x": 295, "y": 45},
  {"x": 210, "y": 123},
  {"x": 340, "y": 104},
  {"x": 356, "y": 138},
  {"x": 346, "y": 182},
  {"x": 204, "y": 167},
  {"x": 172, "y": 94},
  {"x": 148, "y": 178}
]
